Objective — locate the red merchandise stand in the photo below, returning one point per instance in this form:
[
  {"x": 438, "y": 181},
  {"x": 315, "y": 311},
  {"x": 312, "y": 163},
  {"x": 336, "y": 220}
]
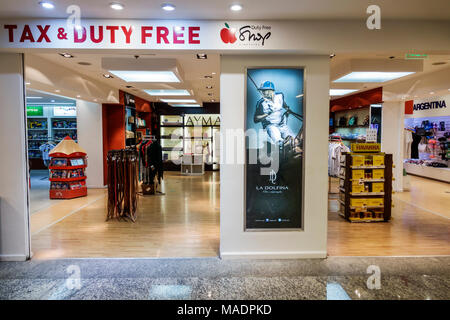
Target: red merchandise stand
[{"x": 72, "y": 183}]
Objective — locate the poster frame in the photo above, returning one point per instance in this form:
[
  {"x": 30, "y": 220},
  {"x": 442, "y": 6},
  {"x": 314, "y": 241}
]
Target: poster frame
[{"x": 302, "y": 209}]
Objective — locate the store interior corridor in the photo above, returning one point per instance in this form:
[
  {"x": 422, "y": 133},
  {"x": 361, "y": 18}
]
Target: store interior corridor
[
  {"x": 182, "y": 223},
  {"x": 419, "y": 225}
]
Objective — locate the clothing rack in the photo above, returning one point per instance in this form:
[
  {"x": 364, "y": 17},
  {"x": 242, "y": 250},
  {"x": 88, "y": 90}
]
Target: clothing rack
[
  {"x": 150, "y": 164},
  {"x": 333, "y": 139},
  {"x": 122, "y": 184}
]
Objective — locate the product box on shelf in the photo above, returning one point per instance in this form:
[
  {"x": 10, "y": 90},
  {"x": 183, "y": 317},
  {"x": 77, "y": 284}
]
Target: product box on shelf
[
  {"x": 358, "y": 188},
  {"x": 378, "y": 174},
  {"x": 378, "y": 187},
  {"x": 358, "y": 174},
  {"x": 357, "y": 161},
  {"x": 358, "y": 202},
  {"x": 378, "y": 160},
  {"x": 375, "y": 202}
]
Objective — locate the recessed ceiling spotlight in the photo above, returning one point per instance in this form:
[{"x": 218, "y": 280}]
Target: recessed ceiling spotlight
[
  {"x": 28, "y": 83},
  {"x": 212, "y": 100},
  {"x": 168, "y": 7},
  {"x": 52, "y": 100},
  {"x": 46, "y": 4},
  {"x": 213, "y": 73},
  {"x": 66, "y": 55},
  {"x": 95, "y": 100},
  {"x": 208, "y": 77},
  {"x": 129, "y": 87},
  {"x": 439, "y": 63},
  {"x": 210, "y": 94},
  {"x": 202, "y": 56},
  {"x": 116, "y": 6},
  {"x": 107, "y": 76},
  {"x": 78, "y": 96},
  {"x": 209, "y": 87},
  {"x": 57, "y": 90},
  {"x": 236, "y": 7},
  {"x": 431, "y": 92},
  {"x": 332, "y": 55},
  {"x": 391, "y": 57},
  {"x": 84, "y": 63}
]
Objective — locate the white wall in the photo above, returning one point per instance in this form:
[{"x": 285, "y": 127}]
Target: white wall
[
  {"x": 89, "y": 124},
  {"x": 14, "y": 225},
  {"x": 392, "y": 118},
  {"x": 312, "y": 241}
]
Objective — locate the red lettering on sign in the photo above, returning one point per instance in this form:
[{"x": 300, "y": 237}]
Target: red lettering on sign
[
  {"x": 193, "y": 34},
  {"x": 145, "y": 33},
  {"x": 127, "y": 33},
  {"x": 112, "y": 31},
  {"x": 162, "y": 33},
  {"x": 100, "y": 34},
  {"x": 43, "y": 33},
  {"x": 177, "y": 35},
  {"x": 10, "y": 28},
  {"x": 76, "y": 36},
  {"x": 27, "y": 34}
]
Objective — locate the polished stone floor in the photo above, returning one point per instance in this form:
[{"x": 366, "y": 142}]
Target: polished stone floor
[{"x": 335, "y": 278}]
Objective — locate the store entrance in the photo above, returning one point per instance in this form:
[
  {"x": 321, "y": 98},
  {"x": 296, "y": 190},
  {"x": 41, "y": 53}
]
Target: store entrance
[{"x": 161, "y": 138}]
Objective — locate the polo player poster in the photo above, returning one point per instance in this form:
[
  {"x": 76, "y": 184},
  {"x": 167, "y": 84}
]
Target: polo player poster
[{"x": 274, "y": 148}]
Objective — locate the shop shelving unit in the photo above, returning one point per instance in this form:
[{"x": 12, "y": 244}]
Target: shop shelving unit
[
  {"x": 179, "y": 138},
  {"x": 365, "y": 185},
  {"x": 68, "y": 150}
]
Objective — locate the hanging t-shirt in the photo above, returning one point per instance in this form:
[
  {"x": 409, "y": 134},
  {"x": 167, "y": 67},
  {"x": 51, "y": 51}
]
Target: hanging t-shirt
[{"x": 45, "y": 149}]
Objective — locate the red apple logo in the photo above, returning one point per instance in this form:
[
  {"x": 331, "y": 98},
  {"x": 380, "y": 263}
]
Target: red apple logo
[{"x": 227, "y": 34}]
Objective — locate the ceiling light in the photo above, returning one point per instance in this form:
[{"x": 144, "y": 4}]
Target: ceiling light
[
  {"x": 208, "y": 77},
  {"x": 78, "y": 96},
  {"x": 236, "y": 7},
  {"x": 202, "y": 56},
  {"x": 168, "y": 7},
  {"x": 178, "y": 100},
  {"x": 431, "y": 92},
  {"x": 212, "y": 100},
  {"x": 84, "y": 63},
  {"x": 57, "y": 90},
  {"x": 27, "y": 83},
  {"x": 116, "y": 6},
  {"x": 341, "y": 92},
  {"x": 146, "y": 76},
  {"x": 52, "y": 100},
  {"x": 107, "y": 76},
  {"x": 370, "y": 76},
  {"x": 332, "y": 55},
  {"x": 209, "y": 87},
  {"x": 439, "y": 63},
  {"x": 47, "y": 4},
  {"x": 210, "y": 94},
  {"x": 34, "y": 97},
  {"x": 163, "y": 92},
  {"x": 66, "y": 55},
  {"x": 186, "y": 105},
  {"x": 213, "y": 73}
]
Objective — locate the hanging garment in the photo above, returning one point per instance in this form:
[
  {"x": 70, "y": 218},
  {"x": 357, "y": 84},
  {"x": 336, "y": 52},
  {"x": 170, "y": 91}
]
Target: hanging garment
[
  {"x": 408, "y": 139},
  {"x": 415, "y": 145}
]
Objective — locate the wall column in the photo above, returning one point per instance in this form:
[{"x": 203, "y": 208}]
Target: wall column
[
  {"x": 392, "y": 120},
  {"x": 311, "y": 242},
  {"x": 14, "y": 212},
  {"x": 90, "y": 137}
]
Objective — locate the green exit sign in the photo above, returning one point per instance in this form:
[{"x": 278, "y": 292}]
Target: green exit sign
[
  {"x": 33, "y": 111},
  {"x": 416, "y": 56}
]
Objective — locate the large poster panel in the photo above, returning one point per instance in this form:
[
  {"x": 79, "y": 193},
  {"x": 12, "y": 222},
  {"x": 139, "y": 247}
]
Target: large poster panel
[{"x": 274, "y": 148}]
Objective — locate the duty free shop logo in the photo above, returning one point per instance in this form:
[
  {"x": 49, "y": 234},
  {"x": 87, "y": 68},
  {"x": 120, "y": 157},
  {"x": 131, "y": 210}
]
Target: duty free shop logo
[{"x": 248, "y": 34}]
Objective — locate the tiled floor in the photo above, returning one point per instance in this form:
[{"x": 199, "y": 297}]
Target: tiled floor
[{"x": 212, "y": 278}]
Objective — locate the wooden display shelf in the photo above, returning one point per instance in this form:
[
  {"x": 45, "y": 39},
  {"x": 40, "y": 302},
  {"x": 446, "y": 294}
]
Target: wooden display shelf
[
  {"x": 67, "y": 179},
  {"x": 346, "y": 194}
]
